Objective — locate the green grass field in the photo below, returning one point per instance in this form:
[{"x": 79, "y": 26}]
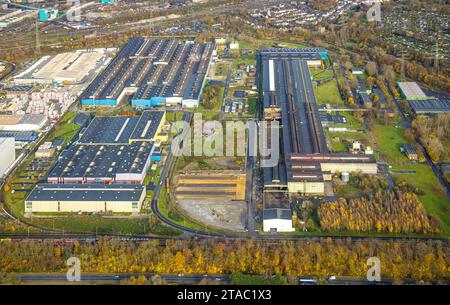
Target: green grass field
[
  {"x": 222, "y": 69},
  {"x": 352, "y": 121},
  {"x": 251, "y": 108},
  {"x": 66, "y": 131},
  {"x": 390, "y": 139},
  {"x": 328, "y": 93},
  {"x": 83, "y": 223},
  {"x": 248, "y": 59},
  {"x": 348, "y": 136},
  {"x": 174, "y": 116},
  {"x": 68, "y": 117},
  {"x": 318, "y": 73},
  {"x": 348, "y": 190},
  {"x": 435, "y": 199}
]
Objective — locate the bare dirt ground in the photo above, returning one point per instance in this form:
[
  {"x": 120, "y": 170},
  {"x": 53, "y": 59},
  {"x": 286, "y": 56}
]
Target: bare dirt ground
[
  {"x": 224, "y": 215},
  {"x": 211, "y": 196}
]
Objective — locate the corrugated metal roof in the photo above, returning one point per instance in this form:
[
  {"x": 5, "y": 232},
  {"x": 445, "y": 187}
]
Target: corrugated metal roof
[{"x": 85, "y": 192}]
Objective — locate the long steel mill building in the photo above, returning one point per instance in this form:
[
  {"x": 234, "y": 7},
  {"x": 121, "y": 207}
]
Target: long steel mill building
[
  {"x": 152, "y": 73},
  {"x": 305, "y": 162}
]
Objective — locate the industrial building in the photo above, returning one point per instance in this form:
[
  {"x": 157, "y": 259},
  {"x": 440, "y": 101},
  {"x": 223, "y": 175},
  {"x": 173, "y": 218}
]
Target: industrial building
[
  {"x": 21, "y": 137},
  {"x": 306, "y": 164},
  {"x": 8, "y": 17},
  {"x": 152, "y": 73},
  {"x": 68, "y": 68},
  {"x": 411, "y": 91},
  {"x": 277, "y": 220},
  {"x": 277, "y": 213},
  {"x": 120, "y": 153},
  {"x": 85, "y": 198},
  {"x": 119, "y": 130},
  {"x": 307, "y": 172},
  {"x": 430, "y": 106},
  {"x": 82, "y": 119},
  {"x": 297, "y": 53},
  {"x": 209, "y": 184},
  {"x": 7, "y": 154},
  {"x": 289, "y": 97},
  {"x": 102, "y": 163},
  {"x": 23, "y": 122},
  {"x": 17, "y": 91},
  {"x": 410, "y": 151}
]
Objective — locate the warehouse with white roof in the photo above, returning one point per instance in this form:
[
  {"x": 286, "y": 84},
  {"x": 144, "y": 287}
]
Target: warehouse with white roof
[{"x": 411, "y": 91}]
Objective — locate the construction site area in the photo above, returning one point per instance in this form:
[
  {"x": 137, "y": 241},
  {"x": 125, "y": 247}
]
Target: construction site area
[{"x": 215, "y": 198}]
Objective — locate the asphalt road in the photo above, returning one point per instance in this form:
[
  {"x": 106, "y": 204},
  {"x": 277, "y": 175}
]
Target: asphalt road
[
  {"x": 117, "y": 278},
  {"x": 225, "y": 93},
  {"x": 100, "y": 278},
  {"x": 13, "y": 68},
  {"x": 251, "y": 205}
]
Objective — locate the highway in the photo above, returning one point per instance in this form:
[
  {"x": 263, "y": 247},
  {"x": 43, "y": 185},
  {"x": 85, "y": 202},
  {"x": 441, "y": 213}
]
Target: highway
[
  {"x": 186, "y": 279},
  {"x": 116, "y": 278}
]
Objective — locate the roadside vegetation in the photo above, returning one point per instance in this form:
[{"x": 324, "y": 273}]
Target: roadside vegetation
[
  {"x": 239, "y": 278},
  {"x": 404, "y": 259}
]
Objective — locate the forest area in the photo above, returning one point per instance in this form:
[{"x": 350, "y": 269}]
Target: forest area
[
  {"x": 211, "y": 97},
  {"x": 405, "y": 259},
  {"x": 434, "y": 134},
  {"x": 384, "y": 211}
]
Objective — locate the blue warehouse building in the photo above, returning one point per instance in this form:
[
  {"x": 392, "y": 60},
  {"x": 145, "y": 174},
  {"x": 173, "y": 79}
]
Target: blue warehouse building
[{"x": 153, "y": 73}]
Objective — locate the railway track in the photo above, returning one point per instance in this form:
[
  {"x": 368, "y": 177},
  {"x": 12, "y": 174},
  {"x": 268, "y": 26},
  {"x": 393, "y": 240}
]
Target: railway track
[
  {"x": 295, "y": 143},
  {"x": 274, "y": 239},
  {"x": 313, "y": 125}
]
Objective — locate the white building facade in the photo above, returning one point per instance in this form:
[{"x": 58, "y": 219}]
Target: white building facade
[{"x": 7, "y": 154}]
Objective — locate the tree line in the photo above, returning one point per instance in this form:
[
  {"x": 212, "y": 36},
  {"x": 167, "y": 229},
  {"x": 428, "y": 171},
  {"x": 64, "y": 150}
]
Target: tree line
[
  {"x": 434, "y": 134},
  {"x": 406, "y": 259},
  {"x": 384, "y": 211}
]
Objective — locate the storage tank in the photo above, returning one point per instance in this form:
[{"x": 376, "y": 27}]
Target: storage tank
[{"x": 345, "y": 176}]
